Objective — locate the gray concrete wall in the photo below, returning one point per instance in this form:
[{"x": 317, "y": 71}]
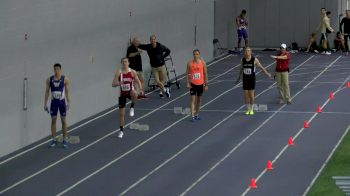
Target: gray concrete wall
[
  {"x": 276, "y": 21},
  {"x": 88, "y": 38}
]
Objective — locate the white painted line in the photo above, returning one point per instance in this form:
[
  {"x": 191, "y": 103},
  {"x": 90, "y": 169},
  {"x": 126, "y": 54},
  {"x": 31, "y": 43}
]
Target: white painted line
[
  {"x": 97, "y": 141},
  {"x": 93, "y": 119},
  {"x": 89, "y": 121},
  {"x": 190, "y": 144},
  {"x": 302, "y": 129},
  {"x": 268, "y": 111},
  {"x": 138, "y": 146},
  {"x": 246, "y": 138},
  {"x": 326, "y": 162}
]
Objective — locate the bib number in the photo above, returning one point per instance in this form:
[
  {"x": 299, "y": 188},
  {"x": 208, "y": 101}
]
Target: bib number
[
  {"x": 57, "y": 94},
  {"x": 247, "y": 71},
  {"x": 196, "y": 76},
  {"x": 125, "y": 87}
]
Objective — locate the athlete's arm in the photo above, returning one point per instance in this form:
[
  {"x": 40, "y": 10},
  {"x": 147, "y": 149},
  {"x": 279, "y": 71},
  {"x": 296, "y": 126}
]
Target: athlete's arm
[
  {"x": 327, "y": 22},
  {"x": 341, "y": 25},
  {"x": 131, "y": 55},
  {"x": 67, "y": 91},
  {"x": 188, "y": 75},
  {"x": 240, "y": 73},
  {"x": 205, "y": 70},
  {"x": 205, "y": 76},
  {"x": 257, "y": 63},
  {"x": 136, "y": 78},
  {"x": 47, "y": 91},
  {"x": 282, "y": 57},
  {"x": 116, "y": 82},
  {"x": 237, "y": 22}
]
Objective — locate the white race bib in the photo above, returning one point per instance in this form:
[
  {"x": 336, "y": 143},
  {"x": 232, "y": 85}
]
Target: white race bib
[
  {"x": 247, "y": 71},
  {"x": 125, "y": 87},
  {"x": 57, "y": 94},
  {"x": 196, "y": 76}
]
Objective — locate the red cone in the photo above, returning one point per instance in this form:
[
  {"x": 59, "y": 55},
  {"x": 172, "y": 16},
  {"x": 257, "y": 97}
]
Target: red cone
[
  {"x": 306, "y": 125},
  {"x": 290, "y": 141},
  {"x": 253, "y": 184},
  {"x": 269, "y": 165},
  {"x": 331, "y": 96},
  {"x": 348, "y": 85},
  {"x": 319, "y": 109}
]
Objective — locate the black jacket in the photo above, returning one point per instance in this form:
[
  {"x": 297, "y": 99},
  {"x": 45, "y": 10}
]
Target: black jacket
[{"x": 157, "y": 54}]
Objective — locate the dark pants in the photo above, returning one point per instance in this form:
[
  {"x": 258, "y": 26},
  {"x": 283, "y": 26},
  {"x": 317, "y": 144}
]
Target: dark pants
[{"x": 346, "y": 39}]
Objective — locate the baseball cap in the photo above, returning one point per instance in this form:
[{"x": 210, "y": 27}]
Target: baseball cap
[{"x": 284, "y": 46}]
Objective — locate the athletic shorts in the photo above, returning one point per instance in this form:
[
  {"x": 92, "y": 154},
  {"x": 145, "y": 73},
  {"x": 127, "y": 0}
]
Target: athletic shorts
[
  {"x": 242, "y": 33},
  {"x": 58, "y": 105},
  {"x": 196, "y": 90},
  {"x": 249, "y": 83},
  {"x": 123, "y": 99}
]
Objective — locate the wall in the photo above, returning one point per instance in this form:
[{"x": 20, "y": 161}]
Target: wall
[
  {"x": 88, "y": 38},
  {"x": 275, "y": 21},
  {"x": 225, "y": 15}
]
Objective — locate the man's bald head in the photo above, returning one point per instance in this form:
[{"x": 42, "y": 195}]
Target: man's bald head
[{"x": 135, "y": 41}]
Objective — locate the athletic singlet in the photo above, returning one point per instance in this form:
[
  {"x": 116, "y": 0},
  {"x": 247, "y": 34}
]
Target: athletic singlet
[
  {"x": 126, "y": 82},
  {"x": 242, "y": 22},
  {"x": 57, "y": 88},
  {"x": 248, "y": 68},
  {"x": 196, "y": 72}
]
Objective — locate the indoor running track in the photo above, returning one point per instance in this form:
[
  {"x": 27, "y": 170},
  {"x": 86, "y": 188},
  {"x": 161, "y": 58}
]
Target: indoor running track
[{"x": 215, "y": 156}]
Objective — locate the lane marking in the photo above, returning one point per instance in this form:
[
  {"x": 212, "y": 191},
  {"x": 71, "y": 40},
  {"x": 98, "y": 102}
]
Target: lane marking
[
  {"x": 268, "y": 111},
  {"x": 326, "y": 162},
  {"x": 138, "y": 146},
  {"x": 246, "y": 138},
  {"x": 97, "y": 141},
  {"x": 91, "y": 120},
  {"x": 301, "y": 130}
]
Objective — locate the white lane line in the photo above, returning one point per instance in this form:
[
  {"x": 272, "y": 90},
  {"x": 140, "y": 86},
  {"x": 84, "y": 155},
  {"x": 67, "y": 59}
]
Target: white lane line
[
  {"x": 246, "y": 138},
  {"x": 194, "y": 141},
  {"x": 97, "y": 141},
  {"x": 300, "y": 131},
  {"x": 326, "y": 162},
  {"x": 189, "y": 145},
  {"x": 138, "y": 146},
  {"x": 268, "y": 111},
  {"x": 89, "y": 121}
]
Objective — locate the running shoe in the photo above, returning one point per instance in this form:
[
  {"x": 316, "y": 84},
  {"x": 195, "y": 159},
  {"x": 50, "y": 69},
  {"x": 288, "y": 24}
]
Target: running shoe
[
  {"x": 53, "y": 143},
  {"x": 251, "y": 112},
  {"x": 197, "y": 118},
  {"x": 161, "y": 94},
  {"x": 289, "y": 102},
  {"x": 167, "y": 92},
  {"x": 328, "y": 53},
  {"x": 143, "y": 97},
  {"x": 247, "y": 112},
  {"x": 132, "y": 112},
  {"x": 193, "y": 119},
  {"x": 65, "y": 144},
  {"x": 120, "y": 134}
]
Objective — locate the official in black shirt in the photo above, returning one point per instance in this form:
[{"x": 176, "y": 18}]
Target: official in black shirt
[
  {"x": 134, "y": 55},
  {"x": 346, "y": 30},
  {"x": 157, "y": 53}
]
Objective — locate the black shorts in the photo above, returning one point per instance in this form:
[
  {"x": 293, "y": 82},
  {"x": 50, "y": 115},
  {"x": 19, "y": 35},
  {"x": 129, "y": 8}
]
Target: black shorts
[
  {"x": 249, "y": 83},
  {"x": 123, "y": 99},
  {"x": 196, "y": 90}
]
